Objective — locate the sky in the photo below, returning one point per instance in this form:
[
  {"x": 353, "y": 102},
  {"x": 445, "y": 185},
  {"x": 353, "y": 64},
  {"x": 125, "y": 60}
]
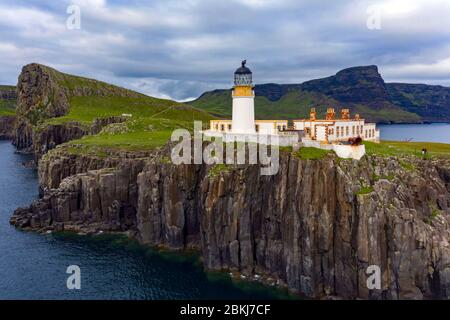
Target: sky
[{"x": 180, "y": 49}]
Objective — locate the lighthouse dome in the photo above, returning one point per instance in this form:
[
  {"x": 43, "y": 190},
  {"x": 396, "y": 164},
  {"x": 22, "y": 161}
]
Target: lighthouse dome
[
  {"x": 243, "y": 75},
  {"x": 243, "y": 69}
]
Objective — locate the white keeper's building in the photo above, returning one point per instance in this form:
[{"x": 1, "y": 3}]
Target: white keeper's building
[{"x": 343, "y": 135}]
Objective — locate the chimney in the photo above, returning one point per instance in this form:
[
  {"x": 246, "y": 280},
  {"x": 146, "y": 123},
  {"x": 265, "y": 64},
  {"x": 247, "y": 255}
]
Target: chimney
[
  {"x": 357, "y": 116},
  {"x": 345, "y": 114},
  {"x": 313, "y": 114},
  {"x": 330, "y": 114}
]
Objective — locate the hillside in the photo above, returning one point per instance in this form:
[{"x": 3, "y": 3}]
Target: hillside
[
  {"x": 362, "y": 89},
  {"x": 8, "y": 100},
  {"x": 432, "y": 103},
  {"x": 54, "y": 108}
]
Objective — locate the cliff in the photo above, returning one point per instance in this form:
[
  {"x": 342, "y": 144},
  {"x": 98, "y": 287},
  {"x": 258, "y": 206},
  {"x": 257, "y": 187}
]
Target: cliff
[
  {"x": 362, "y": 89},
  {"x": 7, "y": 126},
  {"x": 315, "y": 226}
]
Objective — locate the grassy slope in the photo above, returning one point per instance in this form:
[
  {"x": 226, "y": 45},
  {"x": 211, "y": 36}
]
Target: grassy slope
[
  {"x": 293, "y": 105},
  {"x": 296, "y": 104},
  {"x": 151, "y": 124},
  {"x": 398, "y": 148}
]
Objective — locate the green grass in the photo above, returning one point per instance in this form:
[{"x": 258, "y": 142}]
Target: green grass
[
  {"x": 407, "y": 165},
  {"x": 434, "y": 213},
  {"x": 400, "y": 148},
  {"x": 7, "y": 88},
  {"x": 217, "y": 169},
  {"x": 140, "y": 134},
  {"x": 150, "y": 126},
  {"x": 293, "y": 105},
  {"x": 127, "y": 141},
  {"x": 390, "y": 114},
  {"x": 86, "y": 109},
  {"x": 365, "y": 190},
  {"x": 309, "y": 153}
]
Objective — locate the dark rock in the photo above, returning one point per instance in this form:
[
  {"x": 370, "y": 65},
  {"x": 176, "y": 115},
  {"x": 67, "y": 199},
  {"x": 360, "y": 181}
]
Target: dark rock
[
  {"x": 305, "y": 227},
  {"x": 7, "y": 127}
]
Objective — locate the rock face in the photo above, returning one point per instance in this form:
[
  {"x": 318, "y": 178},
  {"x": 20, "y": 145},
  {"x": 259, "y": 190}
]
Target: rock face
[
  {"x": 38, "y": 98},
  {"x": 316, "y": 225}
]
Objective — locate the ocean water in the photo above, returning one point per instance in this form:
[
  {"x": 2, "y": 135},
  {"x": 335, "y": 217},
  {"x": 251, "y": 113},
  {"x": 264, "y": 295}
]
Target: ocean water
[
  {"x": 33, "y": 266},
  {"x": 433, "y": 132}
]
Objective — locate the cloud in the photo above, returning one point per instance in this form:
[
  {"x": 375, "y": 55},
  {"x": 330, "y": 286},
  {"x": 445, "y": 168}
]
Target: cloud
[{"x": 179, "y": 49}]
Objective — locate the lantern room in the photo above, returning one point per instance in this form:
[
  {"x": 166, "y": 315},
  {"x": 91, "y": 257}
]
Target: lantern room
[{"x": 243, "y": 76}]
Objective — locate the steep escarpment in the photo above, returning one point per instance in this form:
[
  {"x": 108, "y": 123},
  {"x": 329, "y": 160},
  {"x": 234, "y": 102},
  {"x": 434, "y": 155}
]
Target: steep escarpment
[{"x": 316, "y": 225}]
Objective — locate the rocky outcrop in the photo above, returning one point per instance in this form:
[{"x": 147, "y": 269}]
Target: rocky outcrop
[
  {"x": 316, "y": 225},
  {"x": 39, "y": 97},
  {"x": 7, "y": 127},
  {"x": 48, "y": 136},
  {"x": 103, "y": 200},
  {"x": 59, "y": 164}
]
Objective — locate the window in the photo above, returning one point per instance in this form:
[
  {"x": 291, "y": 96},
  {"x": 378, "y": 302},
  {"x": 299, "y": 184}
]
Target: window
[
  {"x": 217, "y": 127},
  {"x": 357, "y": 130},
  {"x": 279, "y": 128},
  {"x": 347, "y": 131},
  {"x": 362, "y": 130},
  {"x": 330, "y": 131},
  {"x": 337, "y": 132},
  {"x": 229, "y": 127},
  {"x": 353, "y": 130},
  {"x": 366, "y": 133},
  {"x": 284, "y": 127},
  {"x": 257, "y": 128},
  {"x": 222, "y": 127}
]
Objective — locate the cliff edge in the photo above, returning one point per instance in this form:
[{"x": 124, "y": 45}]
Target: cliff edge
[{"x": 315, "y": 226}]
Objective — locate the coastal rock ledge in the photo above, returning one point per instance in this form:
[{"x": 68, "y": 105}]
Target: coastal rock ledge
[{"x": 315, "y": 226}]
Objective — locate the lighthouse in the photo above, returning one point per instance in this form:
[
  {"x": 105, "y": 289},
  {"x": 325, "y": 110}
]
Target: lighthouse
[{"x": 243, "y": 120}]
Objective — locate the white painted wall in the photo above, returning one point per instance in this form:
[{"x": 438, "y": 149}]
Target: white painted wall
[
  {"x": 265, "y": 127},
  {"x": 243, "y": 115},
  {"x": 349, "y": 152},
  {"x": 321, "y": 133},
  {"x": 339, "y": 129}
]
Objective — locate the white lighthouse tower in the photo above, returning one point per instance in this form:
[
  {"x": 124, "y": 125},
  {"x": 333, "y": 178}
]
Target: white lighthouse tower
[{"x": 243, "y": 101}]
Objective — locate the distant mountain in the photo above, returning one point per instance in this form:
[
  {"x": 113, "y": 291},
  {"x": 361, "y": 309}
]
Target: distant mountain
[{"x": 362, "y": 89}]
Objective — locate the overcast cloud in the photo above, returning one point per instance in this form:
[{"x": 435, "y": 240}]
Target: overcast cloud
[{"x": 179, "y": 49}]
